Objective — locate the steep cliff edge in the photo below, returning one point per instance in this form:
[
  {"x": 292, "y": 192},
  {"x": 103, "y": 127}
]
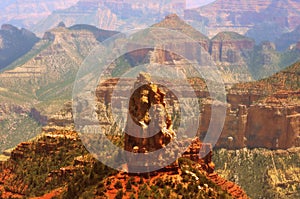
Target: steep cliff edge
[
  {"x": 269, "y": 118},
  {"x": 257, "y": 117}
]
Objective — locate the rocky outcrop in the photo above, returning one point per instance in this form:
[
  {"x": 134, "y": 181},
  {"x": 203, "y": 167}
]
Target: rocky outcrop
[
  {"x": 273, "y": 126},
  {"x": 155, "y": 123},
  {"x": 149, "y": 125},
  {"x": 269, "y": 124},
  {"x": 174, "y": 22},
  {"x": 246, "y": 115},
  {"x": 229, "y": 46},
  {"x": 63, "y": 120}
]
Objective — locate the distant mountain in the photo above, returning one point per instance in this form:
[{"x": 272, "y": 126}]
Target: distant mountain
[
  {"x": 47, "y": 72},
  {"x": 37, "y": 84},
  {"x": 288, "y": 39},
  {"x": 14, "y": 43},
  {"x": 174, "y": 22},
  {"x": 26, "y": 13},
  {"x": 258, "y": 19},
  {"x": 43, "y": 78},
  {"x": 100, "y": 34},
  {"x": 112, "y": 14}
]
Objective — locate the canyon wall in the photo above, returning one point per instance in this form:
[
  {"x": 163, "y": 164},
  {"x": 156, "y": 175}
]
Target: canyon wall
[
  {"x": 249, "y": 122},
  {"x": 269, "y": 124}
]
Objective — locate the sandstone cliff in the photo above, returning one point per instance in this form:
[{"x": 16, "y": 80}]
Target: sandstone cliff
[
  {"x": 57, "y": 163},
  {"x": 267, "y": 118},
  {"x": 266, "y": 125},
  {"x": 228, "y": 47}
]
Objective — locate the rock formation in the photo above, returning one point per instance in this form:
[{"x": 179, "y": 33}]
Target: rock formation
[
  {"x": 59, "y": 156},
  {"x": 268, "y": 125},
  {"x": 148, "y": 117},
  {"x": 268, "y": 117},
  {"x": 228, "y": 47},
  {"x": 174, "y": 22},
  {"x": 273, "y": 126},
  {"x": 247, "y": 111}
]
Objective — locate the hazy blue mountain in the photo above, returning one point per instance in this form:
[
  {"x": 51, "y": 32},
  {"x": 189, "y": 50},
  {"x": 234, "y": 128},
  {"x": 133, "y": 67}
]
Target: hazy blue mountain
[
  {"x": 26, "y": 13},
  {"x": 14, "y": 43}
]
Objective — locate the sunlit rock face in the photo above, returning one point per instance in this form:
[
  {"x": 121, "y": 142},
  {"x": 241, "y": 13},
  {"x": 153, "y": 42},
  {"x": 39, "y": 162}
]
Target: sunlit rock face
[{"x": 148, "y": 117}]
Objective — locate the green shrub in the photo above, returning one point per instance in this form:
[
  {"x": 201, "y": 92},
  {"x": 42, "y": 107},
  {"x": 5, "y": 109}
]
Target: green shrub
[
  {"x": 119, "y": 195},
  {"x": 118, "y": 185}
]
